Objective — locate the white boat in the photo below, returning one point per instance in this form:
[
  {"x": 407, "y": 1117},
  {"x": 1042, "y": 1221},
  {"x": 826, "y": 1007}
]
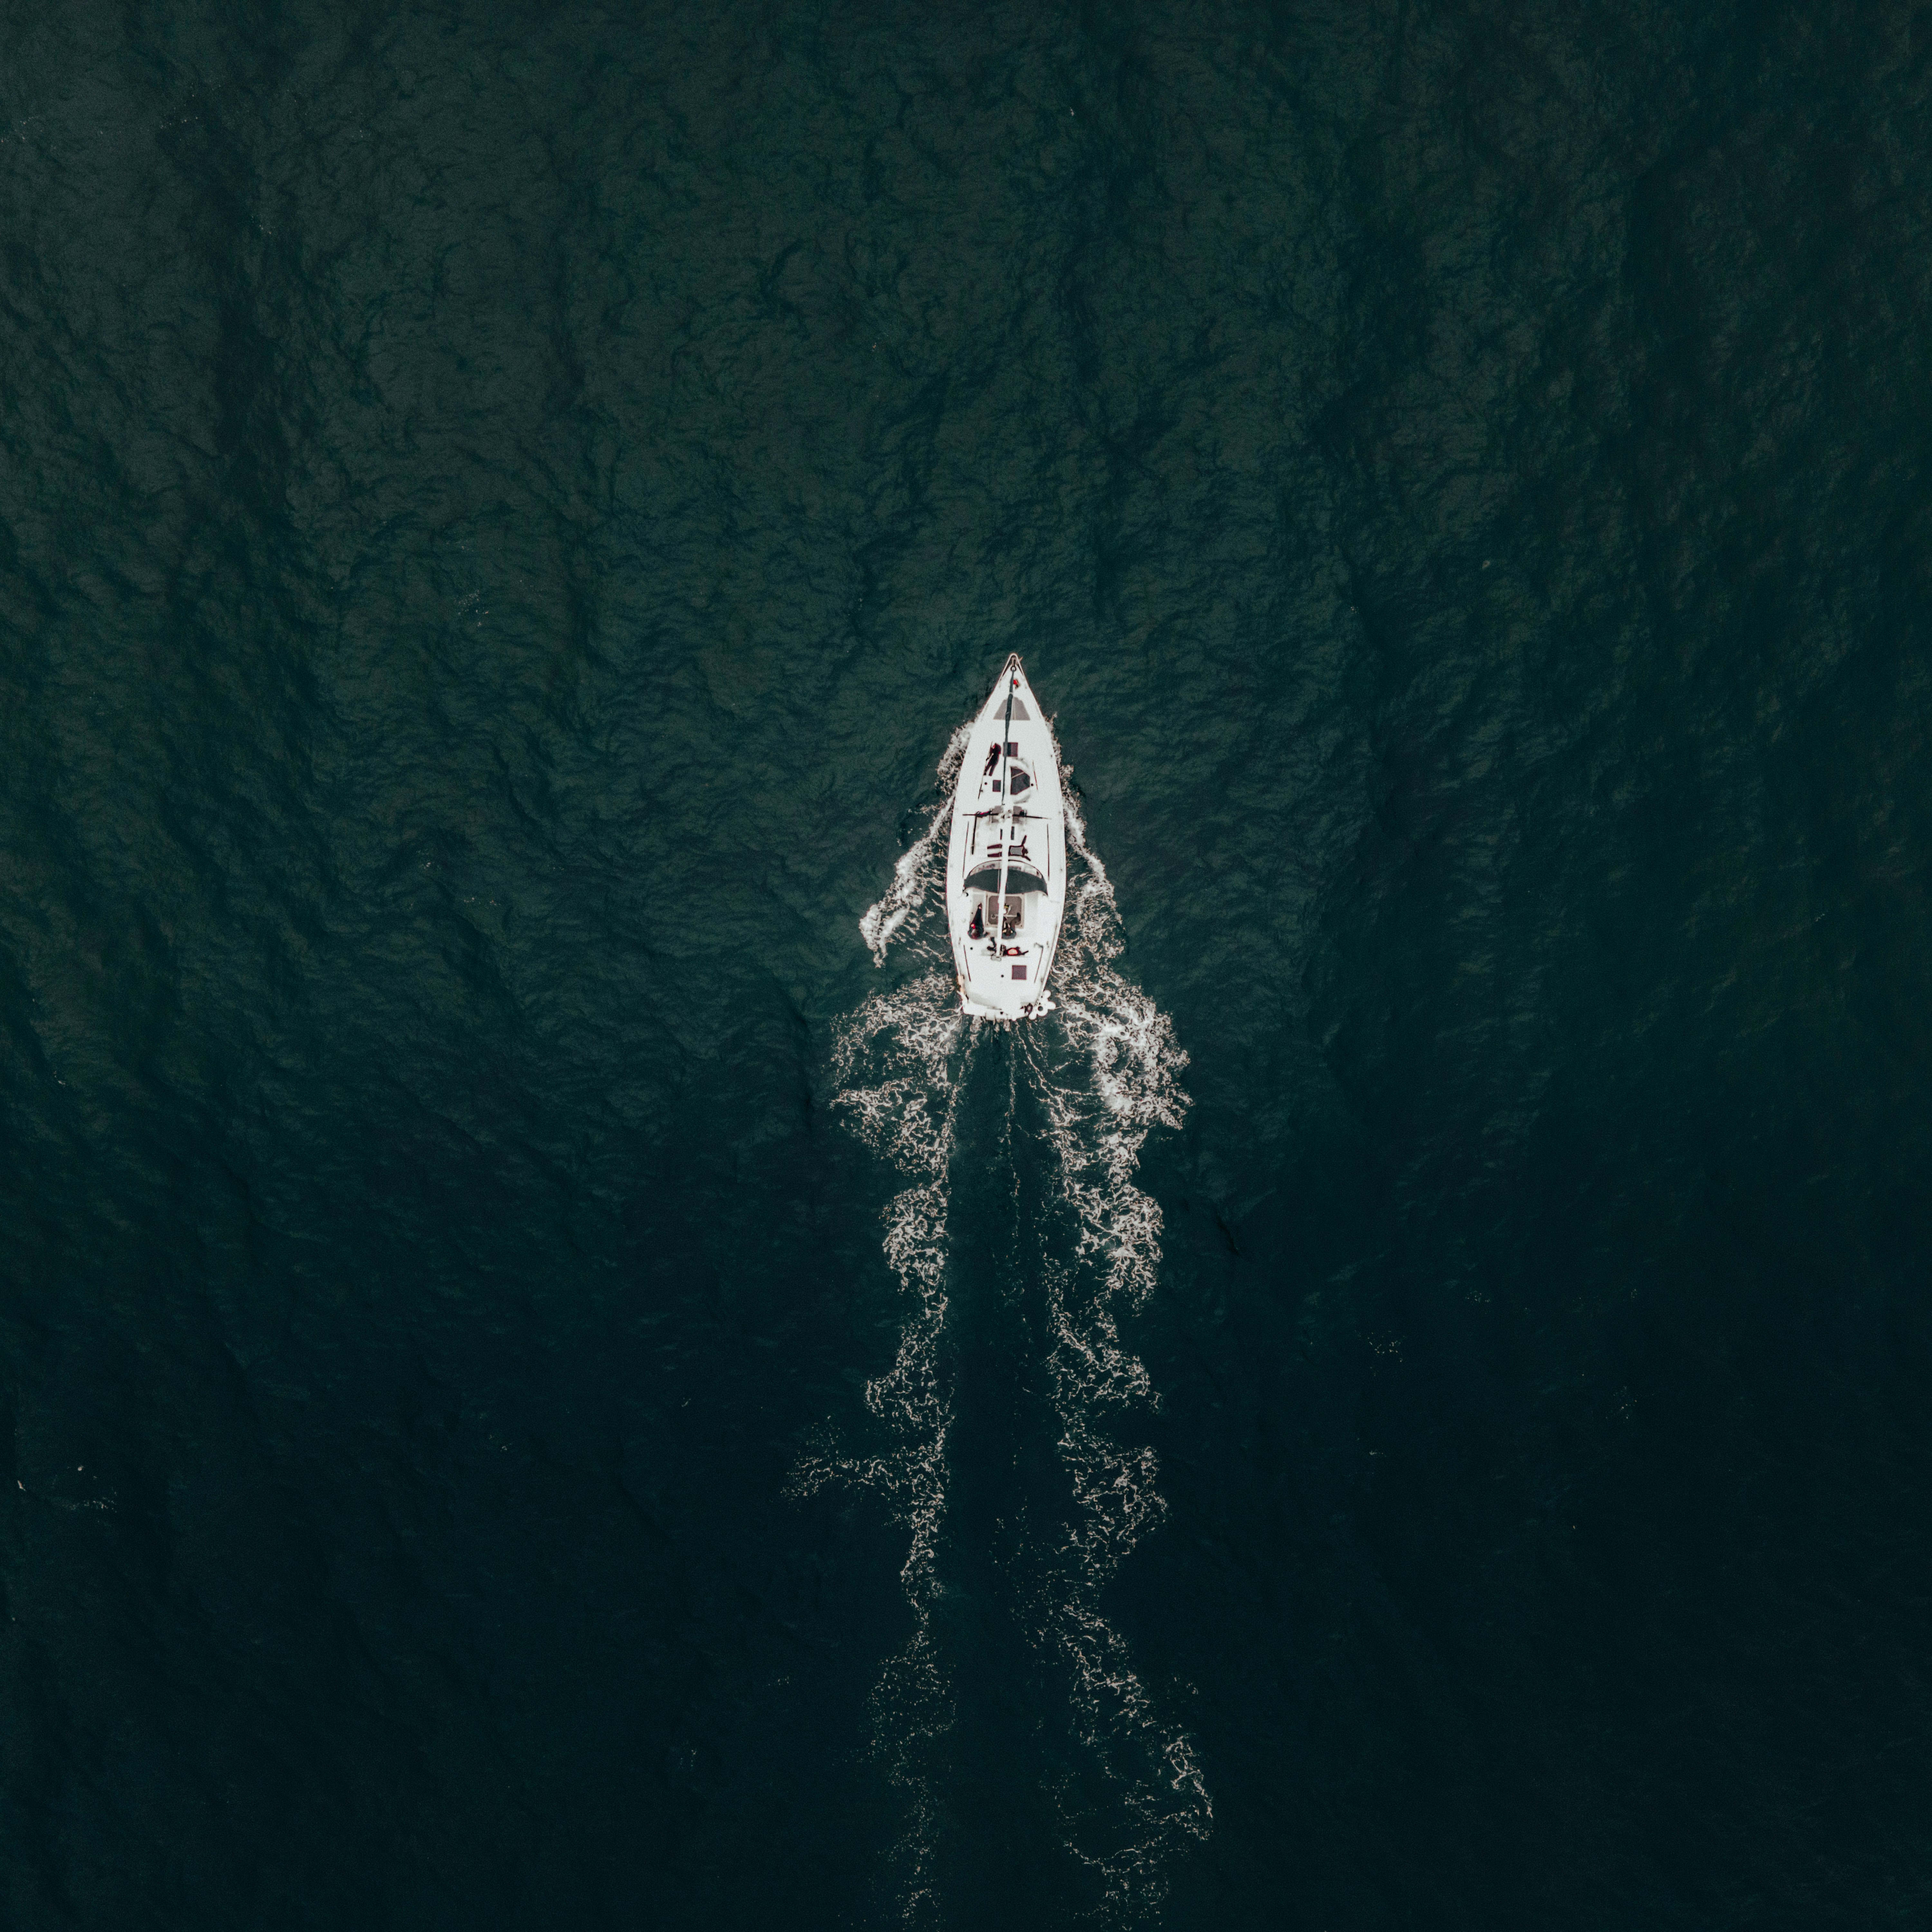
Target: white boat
[{"x": 1005, "y": 866}]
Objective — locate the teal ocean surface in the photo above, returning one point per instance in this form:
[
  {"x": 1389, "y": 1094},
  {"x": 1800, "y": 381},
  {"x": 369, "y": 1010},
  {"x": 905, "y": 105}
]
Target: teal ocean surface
[{"x": 549, "y": 1381}]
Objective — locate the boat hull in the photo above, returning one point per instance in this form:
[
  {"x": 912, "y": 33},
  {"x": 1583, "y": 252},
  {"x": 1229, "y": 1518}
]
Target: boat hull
[{"x": 1008, "y": 808}]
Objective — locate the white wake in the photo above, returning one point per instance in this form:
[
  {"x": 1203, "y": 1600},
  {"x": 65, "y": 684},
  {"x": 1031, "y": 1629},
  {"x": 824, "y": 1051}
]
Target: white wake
[
  {"x": 899, "y": 1063},
  {"x": 1105, "y": 1069},
  {"x": 912, "y": 894}
]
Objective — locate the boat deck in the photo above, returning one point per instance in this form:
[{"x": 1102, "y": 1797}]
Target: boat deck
[{"x": 1007, "y": 808}]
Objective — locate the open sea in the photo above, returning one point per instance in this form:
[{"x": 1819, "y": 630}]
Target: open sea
[{"x": 549, "y": 1380}]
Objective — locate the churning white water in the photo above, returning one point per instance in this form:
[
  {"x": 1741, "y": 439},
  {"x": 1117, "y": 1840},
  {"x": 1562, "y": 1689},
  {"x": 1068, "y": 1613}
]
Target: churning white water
[{"x": 1103, "y": 1069}]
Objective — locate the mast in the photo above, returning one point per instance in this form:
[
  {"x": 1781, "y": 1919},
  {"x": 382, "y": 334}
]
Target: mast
[{"x": 1006, "y": 806}]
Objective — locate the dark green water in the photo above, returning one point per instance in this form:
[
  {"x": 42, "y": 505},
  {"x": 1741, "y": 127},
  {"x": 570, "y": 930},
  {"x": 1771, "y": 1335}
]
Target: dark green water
[{"x": 501, "y": 511}]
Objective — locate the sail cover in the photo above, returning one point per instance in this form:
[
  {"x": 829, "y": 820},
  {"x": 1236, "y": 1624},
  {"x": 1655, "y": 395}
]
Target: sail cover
[{"x": 985, "y": 878}]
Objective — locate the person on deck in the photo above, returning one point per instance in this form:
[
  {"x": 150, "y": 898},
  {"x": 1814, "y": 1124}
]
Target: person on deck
[{"x": 992, "y": 759}]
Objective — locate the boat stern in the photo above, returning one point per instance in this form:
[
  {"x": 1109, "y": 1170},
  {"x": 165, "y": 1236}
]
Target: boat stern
[{"x": 975, "y": 1005}]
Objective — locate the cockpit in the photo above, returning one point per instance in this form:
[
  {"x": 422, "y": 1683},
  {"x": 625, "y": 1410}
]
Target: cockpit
[
  {"x": 1006, "y": 831},
  {"x": 1015, "y": 923}
]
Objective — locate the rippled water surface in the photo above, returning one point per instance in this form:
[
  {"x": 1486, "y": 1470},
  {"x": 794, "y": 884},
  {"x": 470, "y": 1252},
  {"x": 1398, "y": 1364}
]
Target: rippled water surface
[{"x": 551, "y": 1380}]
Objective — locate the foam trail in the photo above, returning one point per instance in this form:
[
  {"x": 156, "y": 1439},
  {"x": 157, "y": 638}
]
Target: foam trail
[
  {"x": 912, "y": 893},
  {"x": 1104, "y": 1070},
  {"x": 899, "y": 1062}
]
